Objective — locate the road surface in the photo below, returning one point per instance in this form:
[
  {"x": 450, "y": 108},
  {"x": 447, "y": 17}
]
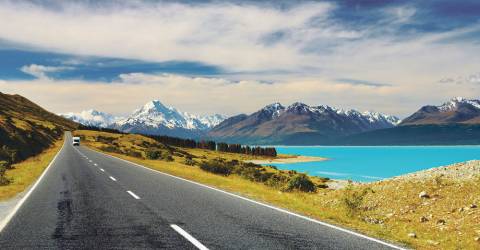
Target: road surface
[{"x": 90, "y": 200}]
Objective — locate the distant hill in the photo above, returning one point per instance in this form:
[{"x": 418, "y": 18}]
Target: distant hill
[
  {"x": 427, "y": 134},
  {"x": 456, "y": 122},
  {"x": 457, "y": 110},
  {"x": 26, "y": 129},
  {"x": 298, "y": 124}
]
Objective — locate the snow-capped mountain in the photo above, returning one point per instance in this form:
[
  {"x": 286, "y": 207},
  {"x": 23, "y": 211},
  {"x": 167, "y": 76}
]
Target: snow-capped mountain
[
  {"x": 156, "y": 118},
  {"x": 92, "y": 118},
  {"x": 457, "y": 110},
  {"x": 278, "y": 124}
]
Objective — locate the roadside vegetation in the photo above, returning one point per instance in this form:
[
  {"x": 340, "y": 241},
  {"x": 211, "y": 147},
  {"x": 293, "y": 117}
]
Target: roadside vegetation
[
  {"x": 19, "y": 176},
  {"x": 430, "y": 211},
  {"x": 26, "y": 129}
]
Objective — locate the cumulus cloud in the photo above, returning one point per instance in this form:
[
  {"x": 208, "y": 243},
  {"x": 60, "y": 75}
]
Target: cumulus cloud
[
  {"x": 204, "y": 95},
  {"x": 41, "y": 71},
  {"x": 223, "y": 34},
  {"x": 389, "y": 69}
]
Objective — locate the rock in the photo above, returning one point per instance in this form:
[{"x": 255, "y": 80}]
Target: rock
[
  {"x": 432, "y": 242},
  {"x": 423, "y": 219},
  {"x": 476, "y": 238},
  {"x": 412, "y": 235},
  {"x": 389, "y": 215},
  {"x": 441, "y": 222},
  {"x": 473, "y": 206},
  {"x": 423, "y": 194}
]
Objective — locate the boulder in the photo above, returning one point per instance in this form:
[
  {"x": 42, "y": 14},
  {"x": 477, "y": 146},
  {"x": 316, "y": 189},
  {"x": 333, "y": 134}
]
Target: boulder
[{"x": 423, "y": 194}]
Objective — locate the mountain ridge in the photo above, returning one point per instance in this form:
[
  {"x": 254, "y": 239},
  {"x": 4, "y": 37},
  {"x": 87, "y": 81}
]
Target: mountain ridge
[
  {"x": 457, "y": 110},
  {"x": 275, "y": 122}
]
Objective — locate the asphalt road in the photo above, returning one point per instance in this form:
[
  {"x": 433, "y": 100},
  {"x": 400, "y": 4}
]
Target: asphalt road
[{"x": 88, "y": 200}]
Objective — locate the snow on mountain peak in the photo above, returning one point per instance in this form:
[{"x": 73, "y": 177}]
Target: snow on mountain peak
[
  {"x": 454, "y": 102},
  {"x": 92, "y": 117},
  {"x": 275, "y": 109},
  {"x": 155, "y": 114}
]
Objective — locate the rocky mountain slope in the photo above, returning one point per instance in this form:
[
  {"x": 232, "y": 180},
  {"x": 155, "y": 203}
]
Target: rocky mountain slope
[
  {"x": 457, "y": 110},
  {"x": 298, "y": 124}
]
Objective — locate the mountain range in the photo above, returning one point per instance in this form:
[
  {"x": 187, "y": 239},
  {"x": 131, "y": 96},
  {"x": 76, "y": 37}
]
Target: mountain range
[
  {"x": 300, "y": 124},
  {"x": 456, "y": 122},
  {"x": 153, "y": 118},
  {"x": 277, "y": 124}
]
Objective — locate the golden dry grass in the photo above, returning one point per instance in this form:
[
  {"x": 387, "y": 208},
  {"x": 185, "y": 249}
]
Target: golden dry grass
[
  {"x": 27, "y": 172},
  {"x": 391, "y": 209}
]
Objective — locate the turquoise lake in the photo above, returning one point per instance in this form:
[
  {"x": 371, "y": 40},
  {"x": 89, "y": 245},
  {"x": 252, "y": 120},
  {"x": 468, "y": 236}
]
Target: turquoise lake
[{"x": 368, "y": 164}]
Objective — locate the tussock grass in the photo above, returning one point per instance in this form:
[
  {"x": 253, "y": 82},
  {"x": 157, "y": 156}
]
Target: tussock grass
[
  {"x": 390, "y": 209},
  {"x": 25, "y": 173}
]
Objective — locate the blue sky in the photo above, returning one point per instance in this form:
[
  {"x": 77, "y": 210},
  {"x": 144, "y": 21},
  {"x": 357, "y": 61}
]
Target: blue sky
[{"x": 384, "y": 56}]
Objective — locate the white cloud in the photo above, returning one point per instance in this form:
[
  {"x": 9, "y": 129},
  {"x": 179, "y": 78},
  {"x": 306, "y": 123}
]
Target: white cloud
[
  {"x": 203, "y": 95},
  {"x": 304, "y": 40},
  {"x": 41, "y": 71},
  {"x": 221, "y": 34}
]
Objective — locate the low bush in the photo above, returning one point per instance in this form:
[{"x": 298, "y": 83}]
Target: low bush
[
  {"x": 353, "y": 199},
  {"x": 167, "y": 156},
  {"x": 111, "y": 149},
  {"x": 216, "y": 167},
  {"x": 189, "y": 161},
  {"x": 3, "y": 179},
  {"x": 153, "y": 154},
  {"x": 133, "y": 153},
  {"x": 300, "y": 182}
]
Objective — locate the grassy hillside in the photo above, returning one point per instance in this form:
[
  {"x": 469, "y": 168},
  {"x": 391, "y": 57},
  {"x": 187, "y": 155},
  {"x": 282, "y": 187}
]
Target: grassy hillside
[
  {"x": 446, "y": 218},
  {"x": 26, "y": 129}
]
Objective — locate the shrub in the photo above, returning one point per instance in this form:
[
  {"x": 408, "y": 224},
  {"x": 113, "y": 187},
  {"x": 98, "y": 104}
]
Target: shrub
[
  {"x": 167, "y": 156},
  {"x": 189, "y": 161},
  {"x": 300, "y": 182},
  {"x": 3, "y": 179},
  {"x": 353, "y": 199},
  {"x": 277, "y": 181},
  {"x": 216, "y": 167},
  {"x": 111, "y": 149},
  {"x": 104, "y": 139},
  {"x": 133, "y": 153},
  {"x": 152, "y": 154}
]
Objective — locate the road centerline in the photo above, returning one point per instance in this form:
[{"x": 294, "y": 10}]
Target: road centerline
[
  {"x": 113, "y": 178},
  {"x": 101, "y": 169},
  {"x": 189, "y": 237},
  {"x": 133, "y": 195}
]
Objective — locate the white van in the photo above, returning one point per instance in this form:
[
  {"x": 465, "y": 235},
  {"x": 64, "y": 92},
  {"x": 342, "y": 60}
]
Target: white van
[{"x": 76, "y": 141}]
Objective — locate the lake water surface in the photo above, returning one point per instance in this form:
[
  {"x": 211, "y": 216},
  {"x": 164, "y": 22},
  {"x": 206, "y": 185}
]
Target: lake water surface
[{"x": 375, "y": 163}]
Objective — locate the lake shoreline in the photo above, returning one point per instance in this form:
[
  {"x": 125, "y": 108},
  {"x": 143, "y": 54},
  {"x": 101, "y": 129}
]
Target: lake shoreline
[{"x": 290, "y": 159}]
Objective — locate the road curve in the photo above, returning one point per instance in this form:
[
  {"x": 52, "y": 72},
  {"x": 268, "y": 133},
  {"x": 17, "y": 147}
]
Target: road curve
[{"x": 90, "y": 200}]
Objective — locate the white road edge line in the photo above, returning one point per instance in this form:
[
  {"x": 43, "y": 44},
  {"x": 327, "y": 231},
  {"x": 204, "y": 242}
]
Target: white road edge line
[
  {"x": 133, "y": 194},
  {"x": 113, "y": 179},
  {"x": 263, "y": 204},
  {"x": 190, "y": 238},
  {"x": 7, "y": 219}
]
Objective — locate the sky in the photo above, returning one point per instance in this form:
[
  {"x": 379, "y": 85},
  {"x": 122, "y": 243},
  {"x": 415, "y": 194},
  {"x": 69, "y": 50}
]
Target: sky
[{"x": 232, "y": 57}]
